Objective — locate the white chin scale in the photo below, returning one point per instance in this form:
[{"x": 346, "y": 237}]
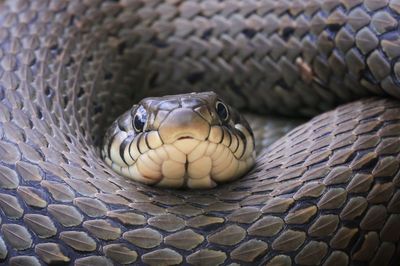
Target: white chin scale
[{"x": 188, "y": 163}]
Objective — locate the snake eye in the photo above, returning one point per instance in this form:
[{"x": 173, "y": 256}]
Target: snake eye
[
  {"x": 139, "y": 120},
  {"x": 222, "y": 110}
]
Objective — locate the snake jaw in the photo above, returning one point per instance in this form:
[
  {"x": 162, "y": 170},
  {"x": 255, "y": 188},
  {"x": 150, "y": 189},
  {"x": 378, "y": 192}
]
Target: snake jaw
[{"x": 185, "y": 144}]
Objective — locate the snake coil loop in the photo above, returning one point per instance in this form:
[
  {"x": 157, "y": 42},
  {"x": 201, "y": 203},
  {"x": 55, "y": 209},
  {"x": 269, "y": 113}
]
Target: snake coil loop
[{"x": 326, "y": 193}]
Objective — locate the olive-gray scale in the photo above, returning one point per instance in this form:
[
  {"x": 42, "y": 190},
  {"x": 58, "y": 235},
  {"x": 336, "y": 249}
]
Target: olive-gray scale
[{"x": 326, "y": 192}]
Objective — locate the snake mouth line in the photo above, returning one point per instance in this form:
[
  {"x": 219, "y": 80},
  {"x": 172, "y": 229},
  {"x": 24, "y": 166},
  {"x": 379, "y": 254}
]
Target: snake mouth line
[{"x": 185, "y": 137}]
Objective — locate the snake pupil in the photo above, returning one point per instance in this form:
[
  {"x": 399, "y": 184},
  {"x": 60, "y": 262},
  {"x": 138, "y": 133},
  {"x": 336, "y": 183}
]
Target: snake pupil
[
  {"x": 139, "y": 119},
  {"x": 222, "y": 110}
]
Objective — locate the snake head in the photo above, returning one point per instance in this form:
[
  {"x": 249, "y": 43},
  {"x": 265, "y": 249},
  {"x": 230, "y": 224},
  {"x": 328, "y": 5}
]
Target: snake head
[{"x": 191, "y": 140}]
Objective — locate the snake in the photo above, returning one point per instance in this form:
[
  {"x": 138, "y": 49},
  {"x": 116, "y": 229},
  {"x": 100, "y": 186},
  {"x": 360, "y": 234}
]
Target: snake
[
  {"x": 185, "y": 140},
  {"x": 326, "y": 192}
]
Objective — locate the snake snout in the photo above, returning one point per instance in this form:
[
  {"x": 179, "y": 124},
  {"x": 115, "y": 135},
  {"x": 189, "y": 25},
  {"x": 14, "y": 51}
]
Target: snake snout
[{"x": 183, "y": 123}]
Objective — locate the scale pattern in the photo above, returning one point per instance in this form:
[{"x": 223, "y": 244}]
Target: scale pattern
[{"x": 327, "y": 193}]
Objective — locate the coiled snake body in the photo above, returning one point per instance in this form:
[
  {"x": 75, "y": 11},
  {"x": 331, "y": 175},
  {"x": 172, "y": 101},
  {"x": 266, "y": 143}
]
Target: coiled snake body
[{"x": 326, "y": 193}]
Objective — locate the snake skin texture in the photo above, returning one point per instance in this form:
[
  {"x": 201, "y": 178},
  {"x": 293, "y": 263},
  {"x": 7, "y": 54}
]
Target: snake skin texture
[{"x": 326, "y": 193}]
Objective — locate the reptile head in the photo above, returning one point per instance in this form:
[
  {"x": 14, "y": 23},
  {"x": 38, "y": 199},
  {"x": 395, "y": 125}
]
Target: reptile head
[{"x": 189, "y": 140}]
